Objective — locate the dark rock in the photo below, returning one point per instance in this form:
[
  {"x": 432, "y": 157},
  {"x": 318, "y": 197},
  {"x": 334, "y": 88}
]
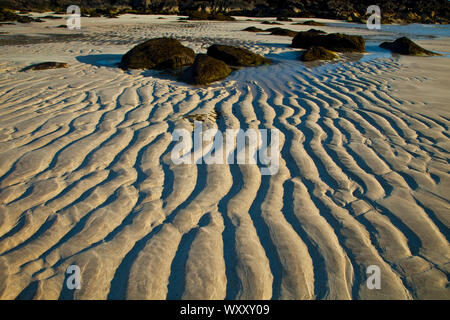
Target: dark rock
[
  {"x": 406, "y": 47},
  {"x": 9, "y": 16},
  {"x": 317, "y": 31},
  {"x": 282, "y": 32},
  {"x": 205, "y": 70},
  {"x": 318, "y": 53},
  {"x": 159, "y": 53},
  {"x": 334, "y": 41},
  {"x": 284, "y": 19},
  {"x": 253, "y": 29},
  {"x": 52, "y": 17},
  {"x": 202, "y": 15},
  {"x": 270, "y": 22},
  {"x": 356, "y": 17},
  {"x": 235, "y": 56},
  {"x": 310, "y": 23},
  {"x": 46, "y": 66}
]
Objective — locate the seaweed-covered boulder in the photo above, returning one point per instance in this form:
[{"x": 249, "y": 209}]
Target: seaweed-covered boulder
[
  {"x": 46, "y": 66},
  {"x": 406, "y": 47},
  {"x": 159, "y": 53},
  {"x": 318, "y": 53},
  {"x": 205, "y": 70},
  {"x": 253, "y": 29},
  {"x": 282, "y": 32},
  {"x": 235, "y": 56},
  {"x": 334, "y": 41}
]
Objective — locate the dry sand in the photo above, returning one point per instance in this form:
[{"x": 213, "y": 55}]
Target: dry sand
[{"x": 86, "y": 176}]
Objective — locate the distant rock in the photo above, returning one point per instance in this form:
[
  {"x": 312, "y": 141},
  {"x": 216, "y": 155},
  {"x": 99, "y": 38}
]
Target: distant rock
[
  {"x": 253, "y": 29},
  {"x": 235, "y": 56},
  {"x": 406, "y": 47},
  {"x": 334, "y": 41},
  {"x": 282, "y": 32},
  {"x": 10, "y": 16},
  {"x": 318, "y": 53},
  {"x": 356, "y": 17},
  {"x": 271, "y": 22},
  {"x": 317, "y": 31},
  {"x": 202, "y": 15},
  {"x": 50, "y": 17},
  {"x": 159, "y": 53},
  {"x": 310, "y": 23},
  {"x": 205, "y": 70},
  {"x": 284, "y": 19},
  {"x": 46, "y": 66}
]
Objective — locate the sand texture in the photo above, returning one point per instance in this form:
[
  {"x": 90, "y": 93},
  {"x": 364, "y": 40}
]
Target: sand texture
[{"x": 86, "y": 176}]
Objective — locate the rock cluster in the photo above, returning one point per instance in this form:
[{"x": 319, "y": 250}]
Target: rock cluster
[{"x": 170, "y": 54}]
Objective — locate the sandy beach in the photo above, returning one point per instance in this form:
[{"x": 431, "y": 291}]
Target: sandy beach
[{"x": 86, "y": 176}]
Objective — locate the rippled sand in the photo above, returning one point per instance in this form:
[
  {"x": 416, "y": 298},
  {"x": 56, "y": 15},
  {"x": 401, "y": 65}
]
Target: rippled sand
[{"x": 86, "y": 176}]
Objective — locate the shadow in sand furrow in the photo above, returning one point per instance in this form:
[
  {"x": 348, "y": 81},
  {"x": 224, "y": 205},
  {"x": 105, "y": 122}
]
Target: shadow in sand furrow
[
  {"x": 29, "y": 292},
  {"x": 15, "y": 229},
  {"x": 42, "y": 229},
  {"x": 176, "y": 286},
  {"x": 79, "y": 226},
  {"x": 359, "y": 273},
  {"x": 438, "y": 223},
  {"x": 229, "y": 237},
  {"x": 262, "y": 230},
  {"x": 317, "y": 260}
]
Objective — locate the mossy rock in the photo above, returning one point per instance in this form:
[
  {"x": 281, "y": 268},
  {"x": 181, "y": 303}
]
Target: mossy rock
[
  {"x": 405, "y": 46},
  {"x": 235, "y": 56},
  {"x": 334, "y": 41},
  {"x": 205, "y": 70},
  {"x": 160, "y": 54},
  {"x": 46, "y": 66},
  {"x": 318, "y": 53}
]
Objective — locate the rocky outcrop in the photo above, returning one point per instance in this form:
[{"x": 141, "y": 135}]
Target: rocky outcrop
[
  {"x": 334, "y": 41},
  {"x": 235, "y": 56},
  {"x": 46, "y": 66},
  {"x": 9, "y": 16},
  {"x": 397, "y": 11},
  {"x": 205, "y": 70},
  {"x": 159, "y": 53},
  {"x": 318, "y": 53},
  {"x": 406, "y": 47}
]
